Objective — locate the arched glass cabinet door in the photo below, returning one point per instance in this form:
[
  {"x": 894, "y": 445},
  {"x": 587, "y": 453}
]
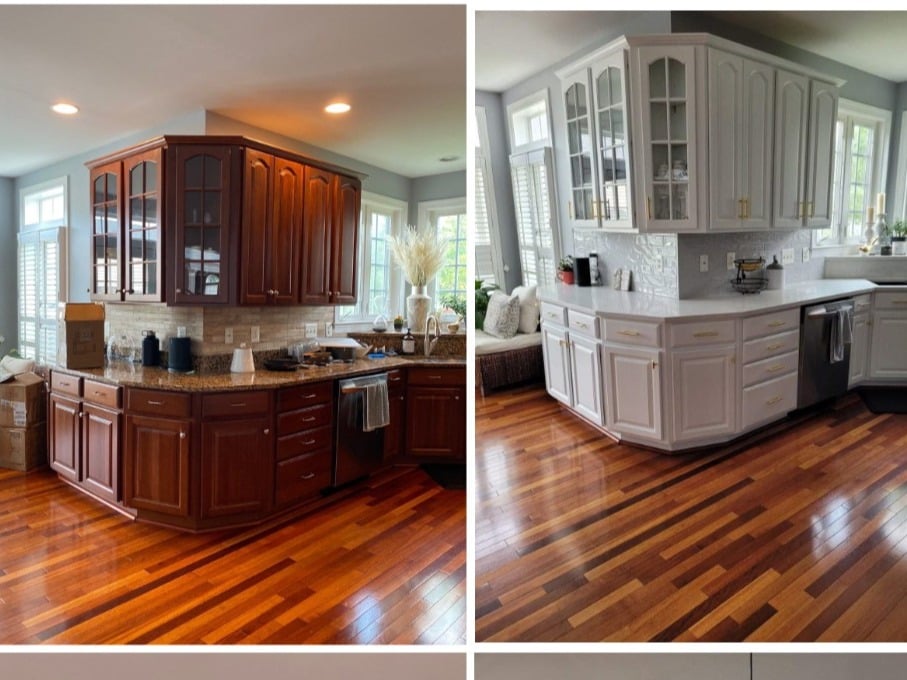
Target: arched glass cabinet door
[
  {"x": 143, "y": 236},
  {"x": 105, "y": 232}
]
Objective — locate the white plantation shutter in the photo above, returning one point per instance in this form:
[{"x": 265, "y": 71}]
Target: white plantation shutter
[
  {"x": 487, "y": 252},
  {"x": 533, "y": 196},
  {"x": 42, "y": 284}
]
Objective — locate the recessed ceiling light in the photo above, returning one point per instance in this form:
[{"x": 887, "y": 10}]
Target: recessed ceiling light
[
  {"x": 65, "y": 109},
  {"x": 448, "y": 159},
  {"x": 337, "y": 107}
]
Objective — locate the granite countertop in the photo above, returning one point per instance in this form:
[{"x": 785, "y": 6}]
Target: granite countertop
[
  {"x": 611, "y": 302},
  {"x": 135, "y": 375}
]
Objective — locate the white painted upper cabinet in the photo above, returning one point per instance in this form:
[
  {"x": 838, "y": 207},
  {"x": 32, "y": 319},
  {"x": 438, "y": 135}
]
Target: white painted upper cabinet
[
  {"x": 741, "y": 123},
  {"x": 596, "y": 113},
  {"x": 805, "y": 114},
  {"x": 667, "y": 162}
]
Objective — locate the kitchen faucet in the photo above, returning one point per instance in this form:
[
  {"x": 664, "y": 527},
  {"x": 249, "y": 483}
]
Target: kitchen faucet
[{"x": 430, "y": 345}]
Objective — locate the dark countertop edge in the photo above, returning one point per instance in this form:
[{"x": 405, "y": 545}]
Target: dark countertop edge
[{"x": 197, "y": 382}]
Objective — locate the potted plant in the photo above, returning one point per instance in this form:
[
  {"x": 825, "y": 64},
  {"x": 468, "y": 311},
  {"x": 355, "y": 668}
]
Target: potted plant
[
  {"x": 458, "y": 306},
  {"x": 565, "y": 269},
  {"x": 899, "y": 237}
]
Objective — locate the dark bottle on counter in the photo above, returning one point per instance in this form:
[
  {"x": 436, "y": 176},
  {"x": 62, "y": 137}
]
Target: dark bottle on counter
[
  {"x": 409, "y": 343},
  {"x": 151, "y": 349}
]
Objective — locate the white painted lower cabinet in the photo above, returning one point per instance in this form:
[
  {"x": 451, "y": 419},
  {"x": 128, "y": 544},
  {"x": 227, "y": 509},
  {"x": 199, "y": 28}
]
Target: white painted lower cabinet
[
  {"x": 633, "y": 378},
  {"x": 556, "y": 356},
  {"x": 888, "y": 358},
  {"x": 573, "y": 371},
  {"x": 703, "y": 393}
]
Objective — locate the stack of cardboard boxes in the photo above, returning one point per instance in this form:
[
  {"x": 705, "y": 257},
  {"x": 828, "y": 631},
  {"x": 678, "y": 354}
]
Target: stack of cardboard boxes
[{"x": 23, "y": 423}]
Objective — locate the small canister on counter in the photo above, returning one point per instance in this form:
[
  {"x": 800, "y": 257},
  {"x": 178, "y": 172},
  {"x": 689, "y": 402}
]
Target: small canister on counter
[
  {"x": 775, "y": 274},
  {"x": 151, "y": 349}
]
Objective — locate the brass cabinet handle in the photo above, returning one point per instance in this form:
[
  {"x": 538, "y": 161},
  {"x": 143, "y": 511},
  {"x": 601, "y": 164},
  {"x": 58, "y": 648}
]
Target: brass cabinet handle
[
  {"x": 812, "y": 209},
  {"x": 899, "y": 302},
  {"x": 776, "y": 324},
  {"x": 746, "y": 208},
  {"x": 800, "y": 209},
  {"x": 775, "y": 368},
  {"x": 740, "y": 212},
  {"x": 774, "y": 347},
  {"x": 562, "y": 343},
  {"x": 773, "y": 400},
  {"x": 632, "y": 334},
  {"x": 648, "y": 207},
  {"x": 706, "y": 334},
  {"x": 581, "y": 324}
]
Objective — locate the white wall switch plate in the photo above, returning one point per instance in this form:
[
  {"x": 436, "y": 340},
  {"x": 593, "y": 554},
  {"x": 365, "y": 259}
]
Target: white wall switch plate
[
  {"x": 806, "y": 254},
  {"x": 787, "y": 256},
  {"x": 256, "y": 334},
  {"x": 228, "y": 336},
  {"x": 311, "y": 330},
  {"x": 731, "y": 256},
  {"x": 703, "y": 263},
  {"x": 328, "y": 329}
]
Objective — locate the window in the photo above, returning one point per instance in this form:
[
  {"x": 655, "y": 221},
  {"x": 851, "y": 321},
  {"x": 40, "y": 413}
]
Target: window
[
  {"x": 380, "y": 281},
  {"x": 448, "y": 216},
  {"x": 529, "y": 122},
  {"x": 860, "y": 160},
  {"x": 488, "y": 263},
  {"x": 41, "y": 268},
  {"x": 533, "y": 197}
]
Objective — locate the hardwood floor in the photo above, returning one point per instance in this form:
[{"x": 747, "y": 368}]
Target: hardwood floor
[
  {"x": 801, "y": 536},
  {"x": 384, "y": 565}
]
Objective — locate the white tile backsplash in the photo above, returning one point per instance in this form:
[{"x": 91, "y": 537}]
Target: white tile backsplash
[{"x": 651, "y": 257}]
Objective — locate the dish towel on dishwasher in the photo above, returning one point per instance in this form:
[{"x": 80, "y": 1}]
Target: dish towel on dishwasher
[
  {"x": 841, "y": 333},
  {"x": 375, "y": 408}
]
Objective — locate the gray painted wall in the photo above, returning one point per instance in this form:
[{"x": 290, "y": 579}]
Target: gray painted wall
[
  {"x": 8, "y": 314},
  {"x": 435, "y": 188},
  {"x": 499, "y": 154}
]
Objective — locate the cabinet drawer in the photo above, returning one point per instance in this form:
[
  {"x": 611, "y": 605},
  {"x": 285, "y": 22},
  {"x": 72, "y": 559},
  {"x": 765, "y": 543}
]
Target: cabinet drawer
[
  {"x": 304, "y": 442},
  {"x": 291, "y": 398},
  {"x": 159, "y": 403},
  {"x": 584, "y": 324},
  {"x": 553, "y": 313},
  {"x": 772, "y": 367},
  {"x": 303, "y": 419},
  {"x": 770, "y": 324},
  {"x": 769, "y": 400},
  {"x": 697, "y": 333},
  {"x": 890, "y": 299},
  {"x": 303, "y": 476},
  {"x": 396, "y": 380},
  {"x": 66, "y": 384},
  {"x": 772, "y": 346},
  {"x": 633, "y": 332},
  {"x": 235, "y": 404},
  {"x": 437, "y": 377},
  {"x": 862, "y": 304},
  {"x": 102, "y": 394}
]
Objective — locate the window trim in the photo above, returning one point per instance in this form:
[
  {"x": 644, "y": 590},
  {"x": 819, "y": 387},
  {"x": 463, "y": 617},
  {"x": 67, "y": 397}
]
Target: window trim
[
  {"x": 458, "y": 205},
  {"x": 852, "y": 111},
  {"x": 483, "y": 156},
  {"x": 900, "y": 191},
  {"x": 41, "y": 187},
  {"x": 525, "y": 102}
]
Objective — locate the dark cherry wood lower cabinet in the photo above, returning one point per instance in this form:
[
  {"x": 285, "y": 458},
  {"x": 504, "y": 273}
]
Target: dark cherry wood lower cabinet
[
  {"x": 395, "y": 433},
  {"x": 101, "y": 451},
  {"x": 156, "y": 471},
  {"x": 436, "y": 414},
  {"x": 237, "y": 475},
  {"x": 65, "y": 435}
]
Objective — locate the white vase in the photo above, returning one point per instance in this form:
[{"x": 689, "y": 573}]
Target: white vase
[{"x": 418, "y": 306}]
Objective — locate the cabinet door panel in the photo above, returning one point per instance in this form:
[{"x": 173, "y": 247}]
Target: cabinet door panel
[
  {"x": 101, "y": 452},
  {"x": 258, "y": 176},
  {"x": 345, "y": 237},
  {"x": 106, "y": 192},
  {"x": 316, "y": 238},
  {"x": 887, "y": 358},
  {"x": 727, "y": 155},
  {"x": 634, "y": 392},
  {"x": 557, "y": 363},
  {"x": 394, "y": 433},
  {"x": 704, "y": 396},
  {"x": 237, "y": 467},
  {"x": 65, "y": 437},
  {"x": 585, "y": 363},
  {"x": 156, "y": 465},
  {"x": 859, "y": 349},
  {"x": 143, "y": 258},
  {"x": 436, "y": 422},
  {"x": 758, "y": 134},
  {"x": 791, "y": 118},
  {"x": 285, "y": 241},
  {"x": 823, "y": 113}
]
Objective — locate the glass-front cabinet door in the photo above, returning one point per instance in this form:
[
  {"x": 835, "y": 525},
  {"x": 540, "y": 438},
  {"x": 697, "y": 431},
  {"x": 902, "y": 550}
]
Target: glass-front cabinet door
[
  {"x": 667, "y": 160},
  {"x": 105, "y": 232},
  {"x": 201, "y": 218},
  {"x": 612, "y": 142},
  {"x": 582, "y": 202},
  {"x": 143, "y": 256}
]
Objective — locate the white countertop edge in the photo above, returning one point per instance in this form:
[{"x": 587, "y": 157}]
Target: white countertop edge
[{"x": 635, "y": 305}]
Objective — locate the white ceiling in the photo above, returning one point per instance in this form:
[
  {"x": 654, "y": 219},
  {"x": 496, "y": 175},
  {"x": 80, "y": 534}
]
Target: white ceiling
[
  {"x": 131, "y": 68},
  {"x": 875, "y": 42}
]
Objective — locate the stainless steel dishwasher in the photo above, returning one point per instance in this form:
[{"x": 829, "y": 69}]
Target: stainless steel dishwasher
[
  {"x": 819, "y": 377},
  {"x": 359, "y": 453}
]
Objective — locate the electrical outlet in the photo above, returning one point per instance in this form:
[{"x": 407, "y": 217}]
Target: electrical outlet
[
  {"x": 311, "y": 330},
  {"x": 806, "y": 254},
  {"x": 181, "y": 331},
  {"x": 659, "y": 264},
  {"x": 703, "y": 263},
  {"x": 256, "y": 334},
  {"x": 228, "y": 336},
  {"x": 787, "y": 256},
  {"x": 328, "y": 329},
  {"x": 731, "y": 256}
]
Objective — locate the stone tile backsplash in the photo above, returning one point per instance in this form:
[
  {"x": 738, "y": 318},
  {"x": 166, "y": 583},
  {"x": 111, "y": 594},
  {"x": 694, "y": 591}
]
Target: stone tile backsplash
[{"x": 651, "y": 257}]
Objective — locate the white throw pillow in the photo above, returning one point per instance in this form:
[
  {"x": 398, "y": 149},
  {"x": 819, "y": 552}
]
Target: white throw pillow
[
  {"x": 503, "y": 315},
  {"x": 529, "y": 308}
]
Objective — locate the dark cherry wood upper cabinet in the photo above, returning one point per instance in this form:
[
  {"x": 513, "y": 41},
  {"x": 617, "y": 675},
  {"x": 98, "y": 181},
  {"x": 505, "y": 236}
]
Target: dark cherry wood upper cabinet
[
  {"x": 345, "y": 237},
  {"x": 272, "y": 229},
  {"x": 143, "y": 257},
  {"x": 203, "y": 213},
  {"x": 316, "y": 237},
  {"x": 105, "y": 181}
]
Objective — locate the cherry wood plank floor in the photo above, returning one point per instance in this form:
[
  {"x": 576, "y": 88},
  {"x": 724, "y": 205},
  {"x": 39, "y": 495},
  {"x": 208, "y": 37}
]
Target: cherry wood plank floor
[
  {"x": 386, "y": 564},
  {"x": 800, "y": 535}
]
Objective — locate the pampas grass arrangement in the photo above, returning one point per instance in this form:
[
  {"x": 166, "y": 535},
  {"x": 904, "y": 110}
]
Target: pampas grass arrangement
[{"x": 419, "y": 252}]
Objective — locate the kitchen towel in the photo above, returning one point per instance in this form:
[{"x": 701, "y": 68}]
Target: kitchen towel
[
  {"x": 841, "y": 333},
  {"x": 375, "y": 408}
]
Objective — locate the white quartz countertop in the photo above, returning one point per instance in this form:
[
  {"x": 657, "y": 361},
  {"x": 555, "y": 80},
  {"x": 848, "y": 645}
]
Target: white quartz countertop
[{"x": 607, "y": 301}]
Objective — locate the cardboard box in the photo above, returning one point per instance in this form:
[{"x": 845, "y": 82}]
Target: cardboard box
[
  {"x": 81, "y": 336},
  {"x": 23, "y": 401},
  {"x": 23, "y": 448}
]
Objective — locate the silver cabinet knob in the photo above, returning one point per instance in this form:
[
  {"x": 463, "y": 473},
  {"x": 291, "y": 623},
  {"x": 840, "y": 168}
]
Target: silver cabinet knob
[
  {"x": 182, "y": 435},
  {"x": 267, "y": 430},
  {"x": 179, "y": 290}
]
